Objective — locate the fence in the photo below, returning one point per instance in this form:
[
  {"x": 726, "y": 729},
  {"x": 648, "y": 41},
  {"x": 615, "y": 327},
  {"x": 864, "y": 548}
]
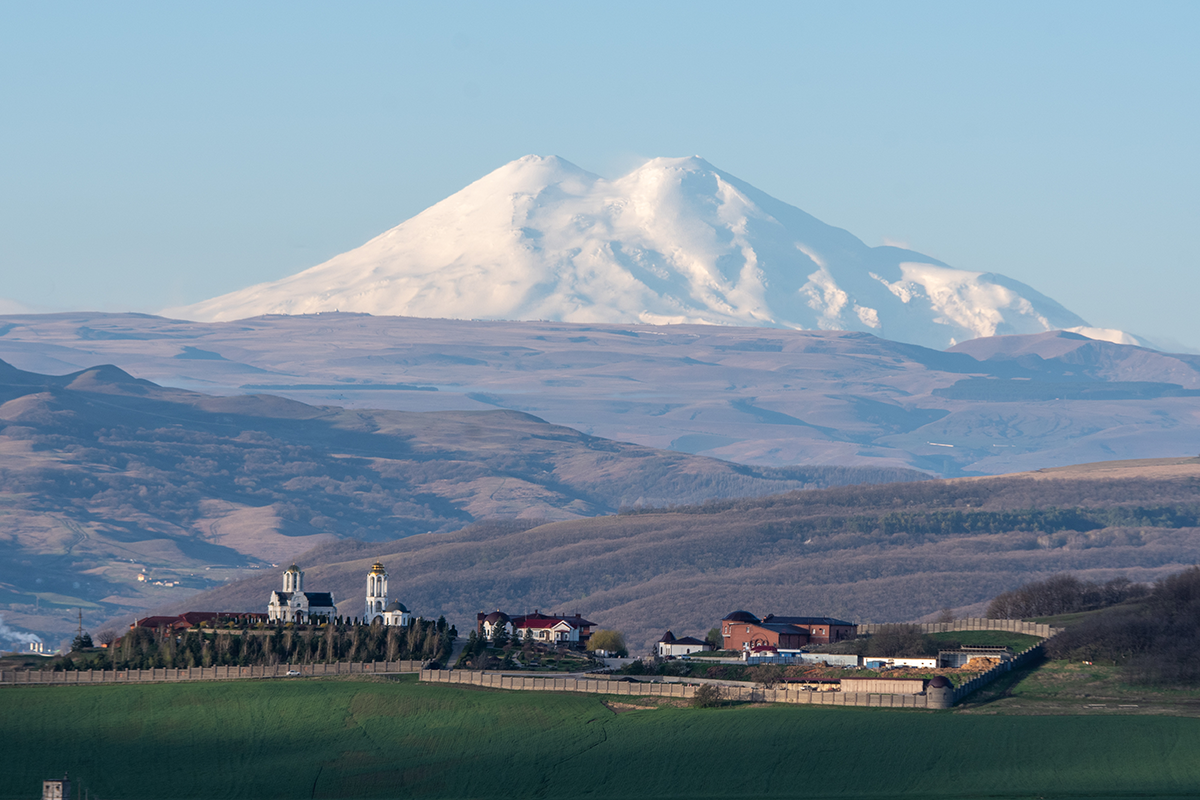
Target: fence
[
  {"x": 749, "y": 693},
  {"x": 172, "y": 674},
  {"x": 984, "y": 678},
  {"x": 969, "y": 624}
]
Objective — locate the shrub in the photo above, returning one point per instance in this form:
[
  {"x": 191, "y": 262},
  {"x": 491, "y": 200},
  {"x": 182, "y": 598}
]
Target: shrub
[{"x": 707, "y": 695}]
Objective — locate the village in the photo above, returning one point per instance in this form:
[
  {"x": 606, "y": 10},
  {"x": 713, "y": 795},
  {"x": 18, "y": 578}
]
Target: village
[{"x": 301, "y": 632}]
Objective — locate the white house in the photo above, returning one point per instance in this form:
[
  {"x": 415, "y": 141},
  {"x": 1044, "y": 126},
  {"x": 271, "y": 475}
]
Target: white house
[
  {"x": 668, "y": 645},
  {"x": 489, "y": 625},
  {"x": 294, "y": 604}
]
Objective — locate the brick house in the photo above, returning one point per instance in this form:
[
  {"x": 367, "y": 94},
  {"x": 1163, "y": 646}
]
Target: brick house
[{"x": 741, "y": 630}]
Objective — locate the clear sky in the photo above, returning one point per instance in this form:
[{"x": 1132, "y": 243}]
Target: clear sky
[{"x": 158, "y": 154}]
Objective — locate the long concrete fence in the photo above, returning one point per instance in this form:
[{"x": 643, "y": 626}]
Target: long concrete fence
[
  {"x": 172, "y": 674},
  {"x": 968, "y": 624},
  {"x": 745, "y": 693},
  {"x": 984, "y": 678}
]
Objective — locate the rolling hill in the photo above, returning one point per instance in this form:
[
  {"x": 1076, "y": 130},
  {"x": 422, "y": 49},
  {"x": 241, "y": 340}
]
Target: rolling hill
[
  {"x": 882, "y": 553},
  {"x": 117, "y": 494}
]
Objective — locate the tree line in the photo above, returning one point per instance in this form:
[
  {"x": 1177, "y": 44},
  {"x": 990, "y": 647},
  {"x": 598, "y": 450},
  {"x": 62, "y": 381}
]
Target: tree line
[
  {"x": 1155, "y": 640},
  {"x": 145, "y": 648},
  {"x": 1063, "y": 594}
]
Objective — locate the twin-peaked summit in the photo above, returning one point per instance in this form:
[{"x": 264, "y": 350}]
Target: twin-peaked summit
[{"x": 676, "y": 240}]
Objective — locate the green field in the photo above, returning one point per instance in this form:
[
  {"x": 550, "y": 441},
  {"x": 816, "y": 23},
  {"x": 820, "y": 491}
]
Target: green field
[
  {"x": 379, "y": 738},
  {"x": 1074, "y": 688},
  {"x": 1017, "y": 641}
]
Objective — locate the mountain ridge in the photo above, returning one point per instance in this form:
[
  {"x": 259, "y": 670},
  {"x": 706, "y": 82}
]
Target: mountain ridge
[{"x": 729, "y": 392}]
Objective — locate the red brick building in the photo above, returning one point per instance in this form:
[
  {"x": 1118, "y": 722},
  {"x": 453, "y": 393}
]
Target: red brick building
[
  {"x": 192, "y": 619},
  {"x": 742, "y": 630}
]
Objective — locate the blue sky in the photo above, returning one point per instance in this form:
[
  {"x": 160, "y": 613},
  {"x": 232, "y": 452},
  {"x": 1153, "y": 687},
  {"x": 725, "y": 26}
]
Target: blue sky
[{"x": 159, "y": 154}]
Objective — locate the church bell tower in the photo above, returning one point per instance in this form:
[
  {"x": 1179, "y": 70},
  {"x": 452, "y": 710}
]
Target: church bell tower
[
  {"x": 293, "y": 579},
  {"x": 376, "y": 591}
]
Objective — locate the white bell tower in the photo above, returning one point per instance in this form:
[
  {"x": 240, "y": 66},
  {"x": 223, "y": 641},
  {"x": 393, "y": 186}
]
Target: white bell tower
[
  {"x": 293, "y": 579},
  {"x": 376, "y": 591}
]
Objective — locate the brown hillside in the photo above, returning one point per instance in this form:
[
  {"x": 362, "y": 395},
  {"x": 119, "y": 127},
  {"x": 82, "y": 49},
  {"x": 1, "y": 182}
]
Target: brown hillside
[
  {"x": 882, "y": 553},
  {"x": 103, "y": 476}
]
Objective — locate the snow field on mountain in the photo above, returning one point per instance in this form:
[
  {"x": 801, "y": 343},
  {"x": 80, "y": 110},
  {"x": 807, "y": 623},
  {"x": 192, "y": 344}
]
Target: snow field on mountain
[{"x": 674, "y": 241}]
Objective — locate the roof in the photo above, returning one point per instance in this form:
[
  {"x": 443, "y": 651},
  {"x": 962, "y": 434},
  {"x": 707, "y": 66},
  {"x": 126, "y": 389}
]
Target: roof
[
  {"x": 292, "y": 568},
  {"x": 283, "y": 596},
  {"x": 763, "y": 648},
  {"x": 808, "y": 620},
  {"x": 690, "y": 640},
  {"x": 740, "y": 616},
  {"x": 783, "y": 627},
  {"x": 667, "y": 638},
  {"x": 574, "y": 620},
  {"x": 377, "y": 568},
  {"x": 156, "y": 622},
  {"x": 551, "y": 622},
  {"x": 319, "y": 599},
  {"x": 396, "y": 605},
  {"x": 495, "y": 616}
]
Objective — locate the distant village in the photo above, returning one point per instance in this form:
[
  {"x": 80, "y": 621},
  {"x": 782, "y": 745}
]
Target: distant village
[{"x": 740, "y": 635}]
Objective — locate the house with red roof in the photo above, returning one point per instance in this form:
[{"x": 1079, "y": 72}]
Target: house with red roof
[
  {"x": 193, "y": 619},
  {"x": 552, "y": 629}
]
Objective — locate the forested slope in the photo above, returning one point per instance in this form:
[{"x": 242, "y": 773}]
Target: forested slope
[{"x": 891, "y": 552}]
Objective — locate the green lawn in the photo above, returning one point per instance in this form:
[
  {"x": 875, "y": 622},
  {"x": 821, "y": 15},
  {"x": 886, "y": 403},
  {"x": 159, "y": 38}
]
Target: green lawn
[
  {"x": 1017, "y": 641},
  {"x": 327, "y": 738}
]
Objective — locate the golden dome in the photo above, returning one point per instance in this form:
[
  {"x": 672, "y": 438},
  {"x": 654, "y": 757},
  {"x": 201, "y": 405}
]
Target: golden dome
[{"x": 377, "y": 568}]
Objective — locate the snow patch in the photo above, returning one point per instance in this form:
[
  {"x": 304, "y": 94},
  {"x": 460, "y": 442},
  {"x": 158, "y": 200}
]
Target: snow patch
[{"x": 1109, "y": 335}]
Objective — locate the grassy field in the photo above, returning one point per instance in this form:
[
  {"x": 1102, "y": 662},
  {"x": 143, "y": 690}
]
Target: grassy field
[
  {"x": 396, "y": 738},
  {"x": 1061, "y": 687},
  {"x": 1017, "y": 641}
]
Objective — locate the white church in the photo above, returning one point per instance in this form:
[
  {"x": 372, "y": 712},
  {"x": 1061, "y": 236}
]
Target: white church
[
  {"x": 293, "y": 604},
  {"x": 393, "y": 613}
]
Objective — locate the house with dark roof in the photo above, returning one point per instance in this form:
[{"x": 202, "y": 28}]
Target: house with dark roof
[
  {"x": 487, "y": 626},
  {"x": 669, "y": 646},
  {"x": 741, "y": 630}
]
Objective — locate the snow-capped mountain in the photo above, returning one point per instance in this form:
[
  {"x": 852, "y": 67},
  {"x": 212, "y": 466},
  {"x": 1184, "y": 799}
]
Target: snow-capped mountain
[{"x": 676, "y": 240}]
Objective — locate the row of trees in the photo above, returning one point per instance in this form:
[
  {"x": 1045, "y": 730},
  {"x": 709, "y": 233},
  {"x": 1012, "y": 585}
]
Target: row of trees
[
  {"x": 1063, "y": 594},
  {"x": 143, "y": 648},
  {"x": 1156, "y": 641}
]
